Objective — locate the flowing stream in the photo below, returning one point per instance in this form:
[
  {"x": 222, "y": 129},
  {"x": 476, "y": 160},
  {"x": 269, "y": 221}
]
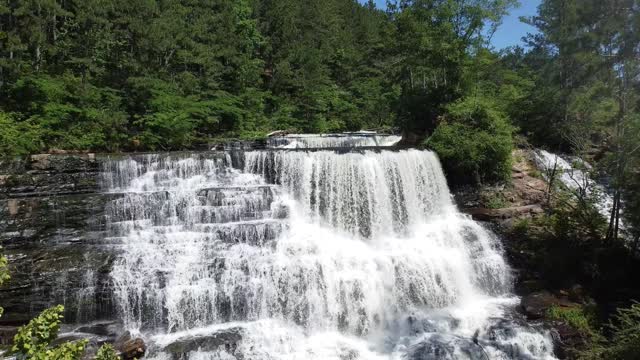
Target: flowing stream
[
  {"x": 575, "y": 177},
  {"x": 315, "y": 255}
]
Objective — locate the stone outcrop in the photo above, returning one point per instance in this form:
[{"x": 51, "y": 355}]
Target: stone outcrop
[
  {"x": 51, "y": 230},
  {"x": 523, "y": 197},
  {"x": 129, "y": 347},
  {"x": 226, "y": 338},
  {"x": 536, "y": 305},
  {"x": 484, "y": 214},
  {"x": 566, "y": 336}
]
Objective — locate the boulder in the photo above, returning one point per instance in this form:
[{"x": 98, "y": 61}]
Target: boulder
[
  {"x": 565, "y": 338},
  {"x": 101, "y": 328},
  {"x": 535, "y": 305},
  {"x": 130, "y": 347},
  {"x": 229, "y": 338}
]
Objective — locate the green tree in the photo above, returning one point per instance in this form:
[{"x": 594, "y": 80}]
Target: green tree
[{"x": 474, "y": 141}]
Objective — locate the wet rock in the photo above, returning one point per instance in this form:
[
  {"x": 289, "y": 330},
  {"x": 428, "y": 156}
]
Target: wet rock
[
  {"x": 536, "y": 305},
  {"x": 445, "y": 347},
  {"x": 51, "y": 228},
  {"x": 130, "y": 347},
  {"x": 565, "y": 339},
  {"x": 577, "y": 293},
  {"x": 101, "y": 328},
  {"x": 228, "y": 338},
  {"x": 6, "y": 335}
]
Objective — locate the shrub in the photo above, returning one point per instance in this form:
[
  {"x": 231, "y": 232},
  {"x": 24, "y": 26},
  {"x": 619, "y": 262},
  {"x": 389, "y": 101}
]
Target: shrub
[
  {"x": 107, "y": 352},
  {"x": 18, "y": 138},
  {"x": 625, "y": 342},
  {"x": 576, "y": 317},
  {"x": 474, "y": 142},
  {"x": 496, "y": 201},
  {"x": 34, "y": 339},
  {"x": 521, "y": 227}
]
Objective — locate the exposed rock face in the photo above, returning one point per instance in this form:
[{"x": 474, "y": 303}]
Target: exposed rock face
[
  {"x": 566, "y": 337},
  {"x": 484, "y": 214},
  {"x": 228, "y": 338},
  {"x": 524, "y": 197},
  {"x": 51, "y": 230}
]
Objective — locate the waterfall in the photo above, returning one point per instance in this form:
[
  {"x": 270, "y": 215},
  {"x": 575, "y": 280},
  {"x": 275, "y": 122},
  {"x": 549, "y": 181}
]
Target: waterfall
[
  {"x": 573, "y": 174},
  {"x": 306, "y": 141},
  {"x": 308, "y": 255}
]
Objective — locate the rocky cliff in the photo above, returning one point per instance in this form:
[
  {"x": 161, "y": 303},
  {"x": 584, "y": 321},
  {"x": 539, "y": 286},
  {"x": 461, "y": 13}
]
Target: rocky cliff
[{"x": 51, "y": 226}]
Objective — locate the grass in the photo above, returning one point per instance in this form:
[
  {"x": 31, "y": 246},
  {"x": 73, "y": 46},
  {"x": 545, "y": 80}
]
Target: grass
[
  {"x": 521, "y": 227},
  {"x": 535, "y": 173},
  {"x": 496, "y": 201},
  {"x": 577, "y": 317}
]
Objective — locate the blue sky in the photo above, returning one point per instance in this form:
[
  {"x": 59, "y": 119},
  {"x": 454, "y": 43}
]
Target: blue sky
[{"x": 512, "y": 30}]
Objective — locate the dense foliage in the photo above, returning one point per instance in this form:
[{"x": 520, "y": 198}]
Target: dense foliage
[
  {"x": 474, "y": 142},
  {"x": 625, "y": 341},
  {"x": 116, "y": 75}
]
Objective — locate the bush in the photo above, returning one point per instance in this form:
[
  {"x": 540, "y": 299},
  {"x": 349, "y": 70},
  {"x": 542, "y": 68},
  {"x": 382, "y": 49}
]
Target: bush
[
  {"x": 521, "y": 227},
  {"x": 107, "y": 352},
  {"x": 496, "y": 201},
  {"x": 33, "y": 340},
  {"x": 4, "y": 274},
  {"x": 625, "y": 342},
  {"x": 18, "y": 138},
  {"x": 474, "y": 142},
  {"x": 576, "y": 317}
]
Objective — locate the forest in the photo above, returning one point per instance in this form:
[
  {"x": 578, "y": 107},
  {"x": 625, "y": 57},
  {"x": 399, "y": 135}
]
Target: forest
[{"x": 158, "y": 75}]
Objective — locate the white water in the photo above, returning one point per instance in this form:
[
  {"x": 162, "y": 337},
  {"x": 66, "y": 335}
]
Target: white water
[
  {"x": 306, "y": 141},
  {"x": 575, "y": 179},
  {"x": 313, "y": 255}
]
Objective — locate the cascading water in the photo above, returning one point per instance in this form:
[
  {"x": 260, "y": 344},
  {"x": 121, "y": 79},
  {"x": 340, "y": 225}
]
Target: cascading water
[
  {"x": 307, "y": 141},
  {"x": 308, "y": 255},
  {"x": 575, "y": 178}
]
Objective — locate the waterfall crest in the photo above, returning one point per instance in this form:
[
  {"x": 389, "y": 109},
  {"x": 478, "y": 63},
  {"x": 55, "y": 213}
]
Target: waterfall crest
[
  {"x": 307, "y": 141},
  {"x": 315, "y": 255}
]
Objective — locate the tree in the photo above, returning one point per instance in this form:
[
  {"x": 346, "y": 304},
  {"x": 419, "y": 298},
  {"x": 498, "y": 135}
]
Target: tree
[{"x": 474, "y": 141}]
